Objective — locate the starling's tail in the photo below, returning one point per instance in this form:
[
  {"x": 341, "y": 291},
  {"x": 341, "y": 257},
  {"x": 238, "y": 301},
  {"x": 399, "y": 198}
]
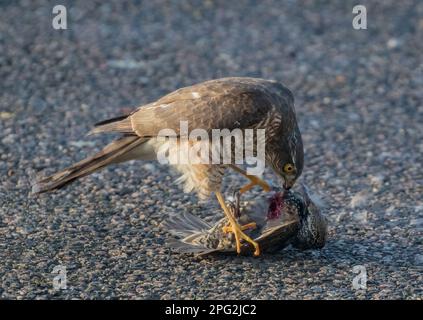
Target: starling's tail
[{"x": 115, "y": 152}]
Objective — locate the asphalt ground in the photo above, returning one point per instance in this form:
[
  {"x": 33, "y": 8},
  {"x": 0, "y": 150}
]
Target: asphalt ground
[{"x": 359, "y": 104}]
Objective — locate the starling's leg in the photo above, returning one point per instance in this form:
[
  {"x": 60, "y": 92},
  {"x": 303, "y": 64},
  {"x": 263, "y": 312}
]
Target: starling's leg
[
  {"x": 236, "y": 228},
  {"x": 254, "y": 181},
  {"x": 234, "y": 206}
]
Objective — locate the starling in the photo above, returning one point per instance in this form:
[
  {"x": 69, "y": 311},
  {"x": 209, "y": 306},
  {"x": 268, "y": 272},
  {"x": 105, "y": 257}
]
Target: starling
[{"x": 283, "y": 218}]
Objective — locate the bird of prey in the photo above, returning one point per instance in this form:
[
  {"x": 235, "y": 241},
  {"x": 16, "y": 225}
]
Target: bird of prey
[
  {"x": 228, "y": 103},
  {"x": 282, "y": 218}
]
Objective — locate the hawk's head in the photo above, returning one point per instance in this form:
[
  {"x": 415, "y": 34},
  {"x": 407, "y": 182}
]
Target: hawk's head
[{"x": 289, "y": 164}]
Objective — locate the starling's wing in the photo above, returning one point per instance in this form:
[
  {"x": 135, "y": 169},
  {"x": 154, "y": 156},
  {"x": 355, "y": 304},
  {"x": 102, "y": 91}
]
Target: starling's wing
[
  {"x": 224, "y": 103},
  {"x": 279, "y": 236},
  {"x": 184, "y": 224},
  {"x": 190, "y": 231},
  {"x": 193, "y": 235}
]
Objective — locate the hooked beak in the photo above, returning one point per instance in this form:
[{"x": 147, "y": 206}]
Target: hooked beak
[{"x": 288, "y": 184}]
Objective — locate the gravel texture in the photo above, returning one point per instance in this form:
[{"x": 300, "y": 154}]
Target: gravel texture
[{"x": 359, "y": 103}]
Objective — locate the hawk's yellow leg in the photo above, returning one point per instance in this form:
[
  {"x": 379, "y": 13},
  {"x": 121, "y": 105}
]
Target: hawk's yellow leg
[
  {"x": 254, "y": 181},
  {"x": 251, "y": 225},
  {"x": 236, "y": 228}
]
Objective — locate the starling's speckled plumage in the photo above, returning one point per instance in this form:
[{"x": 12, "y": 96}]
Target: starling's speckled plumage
[{"x": 283, "y": 218}]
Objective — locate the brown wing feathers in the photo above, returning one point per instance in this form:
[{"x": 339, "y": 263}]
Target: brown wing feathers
[{"x": 226, "y": 103}]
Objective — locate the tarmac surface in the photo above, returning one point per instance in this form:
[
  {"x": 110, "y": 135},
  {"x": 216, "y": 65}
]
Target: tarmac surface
[{"x": 359, "y": 104}]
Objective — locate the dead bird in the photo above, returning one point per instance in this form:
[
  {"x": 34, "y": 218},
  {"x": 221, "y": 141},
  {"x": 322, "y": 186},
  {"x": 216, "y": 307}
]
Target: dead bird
[{"x": 286, "y": 217}]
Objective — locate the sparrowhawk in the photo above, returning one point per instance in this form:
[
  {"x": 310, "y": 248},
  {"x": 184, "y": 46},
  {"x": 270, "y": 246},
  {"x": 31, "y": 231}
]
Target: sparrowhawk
[{"x": 227, "y": 103}]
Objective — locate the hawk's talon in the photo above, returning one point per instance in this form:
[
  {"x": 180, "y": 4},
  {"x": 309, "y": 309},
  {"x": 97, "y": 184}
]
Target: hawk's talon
[
  {"x": 228, "y": 229},
  {"x": 236, "y": 229}
]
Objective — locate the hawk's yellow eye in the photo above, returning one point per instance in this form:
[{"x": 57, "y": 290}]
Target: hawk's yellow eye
[{"x": 288, "y": 168}]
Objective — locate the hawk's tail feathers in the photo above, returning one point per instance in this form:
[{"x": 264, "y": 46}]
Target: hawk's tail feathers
[
  {"x": 120, "y": 124},
  {"x": 113, "y": 153}
]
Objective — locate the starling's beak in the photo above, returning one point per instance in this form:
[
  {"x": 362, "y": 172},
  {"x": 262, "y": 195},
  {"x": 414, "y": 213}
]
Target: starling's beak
[{"x": 306, "y": 194}]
